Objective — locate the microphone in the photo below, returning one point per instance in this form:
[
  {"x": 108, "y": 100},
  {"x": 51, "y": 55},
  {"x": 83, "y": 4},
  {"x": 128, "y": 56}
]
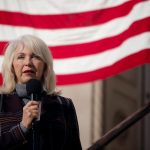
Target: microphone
[{"x": 34, "y": 89}]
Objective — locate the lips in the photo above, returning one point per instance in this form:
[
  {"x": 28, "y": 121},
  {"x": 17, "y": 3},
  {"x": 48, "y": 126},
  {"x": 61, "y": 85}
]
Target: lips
[{"x": 29, "y": 71}]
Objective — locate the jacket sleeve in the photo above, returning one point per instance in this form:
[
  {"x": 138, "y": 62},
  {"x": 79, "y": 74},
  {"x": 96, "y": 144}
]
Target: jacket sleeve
[
  {"x": 73, "y": 137},
  {"x": 12, "y": 138}
]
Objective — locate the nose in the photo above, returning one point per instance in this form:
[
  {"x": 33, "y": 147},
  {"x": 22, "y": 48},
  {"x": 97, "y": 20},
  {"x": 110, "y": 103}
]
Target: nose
[{"x": 28, "y": 61}]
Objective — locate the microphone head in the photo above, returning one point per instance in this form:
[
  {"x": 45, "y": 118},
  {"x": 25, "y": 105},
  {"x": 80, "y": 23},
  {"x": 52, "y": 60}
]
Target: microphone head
[{"x": 34, "y": 87}]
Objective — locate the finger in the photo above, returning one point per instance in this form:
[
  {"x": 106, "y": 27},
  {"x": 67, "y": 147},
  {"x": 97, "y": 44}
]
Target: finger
[
  {"x": 30, "y": 108},
  {"x": 30, "y": 103},
  {"x": 29, "y": 114},
  {"x": 33, "y": 107},
  {"x": 33, "y": 114}
]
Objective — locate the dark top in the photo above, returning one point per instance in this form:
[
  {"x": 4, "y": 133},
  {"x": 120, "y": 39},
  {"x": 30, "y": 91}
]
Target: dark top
[{"x": 57, "y": 129}]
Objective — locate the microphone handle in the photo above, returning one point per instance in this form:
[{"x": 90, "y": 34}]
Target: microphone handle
[
  {"x": 34, "y": 97},
  {"x": 34, "y": 123}
]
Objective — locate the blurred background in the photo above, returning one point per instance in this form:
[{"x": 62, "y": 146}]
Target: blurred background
[{"x": 101, "y": 105}]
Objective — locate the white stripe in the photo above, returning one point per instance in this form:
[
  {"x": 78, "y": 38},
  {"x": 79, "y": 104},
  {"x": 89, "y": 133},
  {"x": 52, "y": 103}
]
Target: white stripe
[
  {"x": 107, "y": 58},
  {"x": 80, "y": 35},
  {"x": 97, "y": 61},
  {"x": 1, "y": 61},
  {"x": 56, "y": 6}
]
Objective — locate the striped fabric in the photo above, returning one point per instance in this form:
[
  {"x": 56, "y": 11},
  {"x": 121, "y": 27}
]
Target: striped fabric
[
  {"x": 89, "y": 39},
  {"x": 9, "y": 119}
]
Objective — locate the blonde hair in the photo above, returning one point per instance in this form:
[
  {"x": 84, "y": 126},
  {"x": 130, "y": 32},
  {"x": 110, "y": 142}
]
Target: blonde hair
[{"x": 37, "y": 46}]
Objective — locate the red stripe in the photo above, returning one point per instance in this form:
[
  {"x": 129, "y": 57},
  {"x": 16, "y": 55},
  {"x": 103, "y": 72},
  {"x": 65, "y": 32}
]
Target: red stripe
[
  {"x": 98, "y": 46},
  {"x": 2, "y": 47},
  {"x": 129, "y": 62},
  {"x": 1, "y": 79},
  {"x": 101, "y": 45},
  {"x": 122, "y": 65},
  {"x": 82, "y": 19}
]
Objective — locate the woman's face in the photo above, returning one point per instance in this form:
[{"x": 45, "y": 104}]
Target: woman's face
[{"x": 27, "y": 65}]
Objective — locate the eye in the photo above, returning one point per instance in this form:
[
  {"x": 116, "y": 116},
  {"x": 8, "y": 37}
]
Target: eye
[
  {"x": 36, "y": 56},
  {"x": 20, "y": 57}
]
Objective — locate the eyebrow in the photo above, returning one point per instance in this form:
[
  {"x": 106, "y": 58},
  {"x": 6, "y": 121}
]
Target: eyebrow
[{"x": 20, "y": 53}]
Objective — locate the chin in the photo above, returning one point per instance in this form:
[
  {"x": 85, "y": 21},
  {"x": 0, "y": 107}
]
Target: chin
[{"x": 27, "y": 79}]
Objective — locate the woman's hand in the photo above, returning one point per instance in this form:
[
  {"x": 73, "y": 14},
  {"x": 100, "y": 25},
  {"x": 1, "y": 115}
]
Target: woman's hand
[{"x": 30, "y": 112}]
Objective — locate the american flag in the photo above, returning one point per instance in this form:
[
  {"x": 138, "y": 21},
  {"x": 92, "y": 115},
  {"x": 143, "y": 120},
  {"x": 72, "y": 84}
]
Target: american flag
[{"x": 89, "y": 39}]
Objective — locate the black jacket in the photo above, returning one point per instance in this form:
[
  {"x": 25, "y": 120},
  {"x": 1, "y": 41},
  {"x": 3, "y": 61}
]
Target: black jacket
[{"x": 56, "y": 130}]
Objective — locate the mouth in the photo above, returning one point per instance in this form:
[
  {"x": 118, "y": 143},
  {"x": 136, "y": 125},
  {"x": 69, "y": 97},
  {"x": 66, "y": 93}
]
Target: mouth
[{"x": 29, "y": 72}]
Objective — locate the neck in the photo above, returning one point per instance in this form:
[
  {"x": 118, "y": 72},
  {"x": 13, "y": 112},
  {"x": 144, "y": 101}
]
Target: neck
[{"x": 21, "y": 90}]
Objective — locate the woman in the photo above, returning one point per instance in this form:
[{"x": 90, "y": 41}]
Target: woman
[{"x": 27, "y": 58}]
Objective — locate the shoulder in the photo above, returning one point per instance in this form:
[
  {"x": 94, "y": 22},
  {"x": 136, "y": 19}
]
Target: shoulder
[
  {"x": 58, "y": 98},
  {"x": 64, "y": 100},
  {"x": 7, "y": 96},
  {"x": 67, "y": 104}
]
